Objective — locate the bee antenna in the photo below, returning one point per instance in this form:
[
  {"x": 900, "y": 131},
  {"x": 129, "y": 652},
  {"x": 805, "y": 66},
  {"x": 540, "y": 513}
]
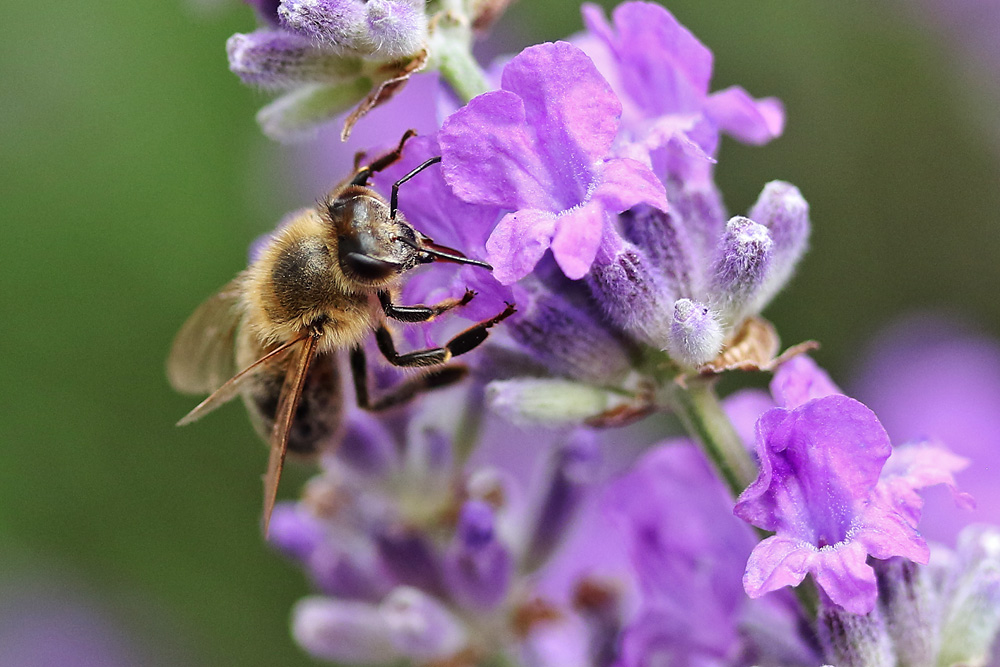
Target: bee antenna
[
  {"x": 394, "y": 199},
  {"x": 446, "y": 254}
]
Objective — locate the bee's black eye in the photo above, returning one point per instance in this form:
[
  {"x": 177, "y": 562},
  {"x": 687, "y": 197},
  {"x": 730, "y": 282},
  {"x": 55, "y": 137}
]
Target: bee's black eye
[{"x": 367, "y": 267}]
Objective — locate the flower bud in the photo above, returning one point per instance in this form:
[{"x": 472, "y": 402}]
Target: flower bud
[
  {"x": 343, "y": 631},
  {"x": 623, "y": 282},
  {"x": 294, "y": 531},
  {"x": 410, "y": 557},
  {"x": 695, "y": 336},
  {"x": 909, "y": 603},
  {"x": 380, "y": 29},
  {"x": 477, "y": 567},
  {"x": 853, "y": 640},
  {"x": 668, "y": 246},
  {"x": 276, "y": 59},
  {"x": 420, "y": 627},
  {"x": 573, "y": 469},
  {"x": 367, "y": 446},
  {"x": 297, "y": 114},
  {"x": 740, "y": 269},
  {"x": 782, "y": 209},
  {"x": 548, "y": 401},
  {"x": 564, "y": 337}
]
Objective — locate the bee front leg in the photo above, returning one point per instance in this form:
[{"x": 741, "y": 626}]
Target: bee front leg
[
  {"x": 466, "y": 341},
  {"x": 420, "y": 312},
  {"x": 380, "y": 163}
]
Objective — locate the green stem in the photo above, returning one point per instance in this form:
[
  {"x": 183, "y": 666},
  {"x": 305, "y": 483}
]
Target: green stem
[
  {"x": 701, "y": 413},
  {"x": 461, "y": 71}
]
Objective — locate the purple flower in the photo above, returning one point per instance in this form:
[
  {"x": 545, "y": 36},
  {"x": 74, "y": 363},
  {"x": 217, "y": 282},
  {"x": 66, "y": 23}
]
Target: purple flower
[
  {"x": 832, "y": 493},
  {"x": 540, "y": 148},
  {"x": 661, "y": 73}
]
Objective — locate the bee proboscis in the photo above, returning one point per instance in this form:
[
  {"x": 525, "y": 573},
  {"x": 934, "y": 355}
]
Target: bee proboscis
[{"x": 322, "y": 283}]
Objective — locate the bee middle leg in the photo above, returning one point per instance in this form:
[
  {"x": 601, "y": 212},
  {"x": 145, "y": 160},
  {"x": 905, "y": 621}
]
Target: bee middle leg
[{"x": 420, "y": 312}]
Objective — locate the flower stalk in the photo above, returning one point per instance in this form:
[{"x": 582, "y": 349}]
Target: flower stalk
[{"x": 701, "y": 413}]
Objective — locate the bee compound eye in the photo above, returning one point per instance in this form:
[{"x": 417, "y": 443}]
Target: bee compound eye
[{"x": 367, "y": 267}]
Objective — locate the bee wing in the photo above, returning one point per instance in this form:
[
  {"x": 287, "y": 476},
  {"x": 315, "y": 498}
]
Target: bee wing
[
  {"x": 231, "y": 387},
  {"x": 201, "y": 358},
  {"x": 291, "y": 394}
]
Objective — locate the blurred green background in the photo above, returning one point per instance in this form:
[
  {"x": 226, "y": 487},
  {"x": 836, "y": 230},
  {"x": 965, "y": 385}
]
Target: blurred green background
[{"x": 134, "y": 176}]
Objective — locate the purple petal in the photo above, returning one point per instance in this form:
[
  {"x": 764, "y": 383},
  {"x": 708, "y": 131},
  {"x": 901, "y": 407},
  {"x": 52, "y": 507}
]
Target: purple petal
[
  {"x": 578, "y": 234},
  {"x": 534, "y": 144},
  {"x": 625, "y": 183},
  {"x": 777, "y": 562},
  {"x": 799, "y": 380},
  {"x": 567, "y": 102},
  {"x": 819, "y": 463},
  {"x": 748, "y": 120},
  {"x": 518, "y": 243},
  {"x": 664, "y": 69},
  {"x": 844, "y": 575},
  {"x": 491, "y": 156}
]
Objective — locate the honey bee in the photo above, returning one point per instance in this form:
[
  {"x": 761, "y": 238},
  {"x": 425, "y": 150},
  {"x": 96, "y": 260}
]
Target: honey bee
[{"x": 324, "y": 281}]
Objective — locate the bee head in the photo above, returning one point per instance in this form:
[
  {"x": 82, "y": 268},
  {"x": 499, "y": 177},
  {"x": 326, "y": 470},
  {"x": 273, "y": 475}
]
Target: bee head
[{"x": 373, "y": 247}]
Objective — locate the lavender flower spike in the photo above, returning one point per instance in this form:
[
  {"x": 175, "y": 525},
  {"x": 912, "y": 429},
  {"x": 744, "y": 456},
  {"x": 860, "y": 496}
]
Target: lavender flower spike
[
  {"x": 782, "y": 209},
  {"x": 540, "y": 148}
]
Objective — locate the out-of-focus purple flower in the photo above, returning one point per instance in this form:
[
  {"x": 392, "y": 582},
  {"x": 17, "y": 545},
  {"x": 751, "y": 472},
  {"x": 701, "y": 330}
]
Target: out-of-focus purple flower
[
  {"x": 929, "y": 378},
  {"x": 477, "y": 566},
  {"x": 661, "y": 72},
  {"x": 540, "y": 148},
  {"x": 687, "y": 556},
  {"x": 267, "y": 10},
  {"x": 383, "y": 28},
  {"x": 688, "y": 553},
  {"x": 831, "y": 492}
]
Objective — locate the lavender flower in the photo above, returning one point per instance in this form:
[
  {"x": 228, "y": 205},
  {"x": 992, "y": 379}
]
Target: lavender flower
[
  {"x": 828, "y": 490},
  {"x": 539, "y": 147}
]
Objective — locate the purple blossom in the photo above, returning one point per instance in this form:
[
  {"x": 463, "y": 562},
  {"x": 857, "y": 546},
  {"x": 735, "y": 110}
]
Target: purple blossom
[
  {"x": 832, "y": 493},
  {"x": 540, "y": 148},
  {"x": 661, "y": 73}
]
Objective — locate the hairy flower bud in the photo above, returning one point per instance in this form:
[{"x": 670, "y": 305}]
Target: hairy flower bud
[
  {"x": 909, "y": 605},
  {"x": 380, "y": 29},
  {"x": 343, "y": 631},
  {"x": 782, "y": 209},
  {"x": 275, "y": 59},
  {"x": 854, "y": 640},
  {"x": 740, "y": 268},
  {"x": 695, "y": 334}
]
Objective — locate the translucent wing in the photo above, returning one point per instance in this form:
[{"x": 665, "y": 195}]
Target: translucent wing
[
  {"x": 201, "y": 359},
  {"x": 291, "y": 394},
  {"x": 231, "y": 387}
]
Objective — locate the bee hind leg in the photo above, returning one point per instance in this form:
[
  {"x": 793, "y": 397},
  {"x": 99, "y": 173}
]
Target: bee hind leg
[{"x": 405, "y": 391}]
